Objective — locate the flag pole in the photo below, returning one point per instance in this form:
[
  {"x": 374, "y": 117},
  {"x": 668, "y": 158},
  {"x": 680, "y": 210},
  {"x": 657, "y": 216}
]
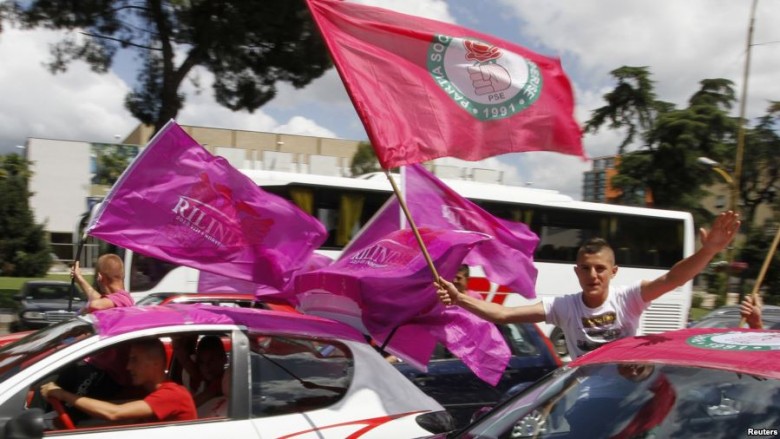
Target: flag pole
[
  {"x": 769, "y": 255},
  {"x": 73, "y": 278},
  {"x": 416, "y": 232}
]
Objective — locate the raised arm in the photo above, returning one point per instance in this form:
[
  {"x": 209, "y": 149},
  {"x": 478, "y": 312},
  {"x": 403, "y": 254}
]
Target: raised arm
[
  {"x": 492, "y": 312},
  {"x": 722, "y": 233}
]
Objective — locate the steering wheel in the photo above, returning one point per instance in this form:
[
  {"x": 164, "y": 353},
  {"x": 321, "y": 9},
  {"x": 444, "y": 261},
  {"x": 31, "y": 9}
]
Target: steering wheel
[{"x": 62, "y": 415}]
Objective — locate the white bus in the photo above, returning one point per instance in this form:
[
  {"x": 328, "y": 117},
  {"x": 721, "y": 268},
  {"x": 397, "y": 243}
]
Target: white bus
[{"x": 647, "y": 242}]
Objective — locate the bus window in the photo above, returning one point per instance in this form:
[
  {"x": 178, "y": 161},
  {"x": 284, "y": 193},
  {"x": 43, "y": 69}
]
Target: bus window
[
  {"x": 561, "y": 232},
  {"x": 650, "y": 242},
  {"x": 342, "y": 212},
  {"x": 147, "y": 272}
]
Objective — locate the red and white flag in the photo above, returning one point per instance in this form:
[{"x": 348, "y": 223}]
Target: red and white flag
[{"x": 426, "y": 89}]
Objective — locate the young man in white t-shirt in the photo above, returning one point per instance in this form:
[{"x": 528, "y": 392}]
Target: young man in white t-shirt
[{"x": 599, "y": 313}]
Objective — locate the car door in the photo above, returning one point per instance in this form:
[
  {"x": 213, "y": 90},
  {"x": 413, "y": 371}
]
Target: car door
[{"x": 450, "y": 382}]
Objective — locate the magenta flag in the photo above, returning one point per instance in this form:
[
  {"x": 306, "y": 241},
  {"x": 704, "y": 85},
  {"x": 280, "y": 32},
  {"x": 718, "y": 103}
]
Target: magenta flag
[
  {"x": 179, "y": 203},
  {"x": 215, "y": 283},
  {"x": 426, "y": 89},
  {"x": 507, "y": 259},
  {"x": 386, "y": 290}
]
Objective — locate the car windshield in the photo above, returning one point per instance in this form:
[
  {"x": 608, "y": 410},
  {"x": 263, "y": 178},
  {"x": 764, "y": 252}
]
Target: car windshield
[
  {"x": 636, "y": 400},
  {"x": 26, "y": 351},
  {"x": 49, "y": 292}
]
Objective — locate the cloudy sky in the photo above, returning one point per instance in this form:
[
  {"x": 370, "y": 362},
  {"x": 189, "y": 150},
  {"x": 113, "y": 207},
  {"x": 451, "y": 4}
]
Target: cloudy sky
[{"x": 682, "y": 42}]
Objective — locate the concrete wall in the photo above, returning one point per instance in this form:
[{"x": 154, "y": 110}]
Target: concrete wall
[{"x": 61, "y": 182}]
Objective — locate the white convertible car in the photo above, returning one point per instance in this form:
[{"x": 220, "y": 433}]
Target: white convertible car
[{"x": 292, "y": 376}]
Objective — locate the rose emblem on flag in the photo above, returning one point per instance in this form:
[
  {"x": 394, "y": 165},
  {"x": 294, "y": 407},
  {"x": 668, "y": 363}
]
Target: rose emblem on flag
[
  {"x": 481, "y": 52},
  {"x": 484, "y": 80}
]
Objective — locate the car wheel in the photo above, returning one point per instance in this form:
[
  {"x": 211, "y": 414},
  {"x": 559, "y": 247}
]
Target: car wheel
[{"x": 559, "y": 342}]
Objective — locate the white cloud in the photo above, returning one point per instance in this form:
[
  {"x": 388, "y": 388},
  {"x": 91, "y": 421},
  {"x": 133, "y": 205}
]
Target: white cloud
[
  {"x": 303, "y": 126},
  {"x": 78, "y": 104}
]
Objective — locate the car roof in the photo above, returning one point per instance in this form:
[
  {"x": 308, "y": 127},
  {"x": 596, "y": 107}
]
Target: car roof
[
  {"x": 750, "y": 351},
  {"x": 114, "y": 321},
  {"x": 208, "y": 296}
]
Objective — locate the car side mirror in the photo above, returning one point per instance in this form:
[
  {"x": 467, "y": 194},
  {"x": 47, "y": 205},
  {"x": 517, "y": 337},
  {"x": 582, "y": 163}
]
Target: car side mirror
[
  {"x": 28, "y": 425},
  {"x": 436, "y": 422},
  {"x": 18, "y": 297}
]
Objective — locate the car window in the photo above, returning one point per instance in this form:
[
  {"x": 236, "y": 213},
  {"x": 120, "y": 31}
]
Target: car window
[
  {"x": 519, "y": 339},
  {"x": 292, "y": 375},
  {"x": 638, "y": 400},
  {"x": 516, "y": 336},
  {"x": 105, "y": 375}
]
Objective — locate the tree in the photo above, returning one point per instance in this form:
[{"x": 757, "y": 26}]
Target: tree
[
  {"x": 666, "y": 163},
  {"x": 248, "y": 45},
  {"x": 631, "y": 105},
  {"x": 111, "y": 162},
  {"x": 24, "y": 251},
  {"x": 754, "y": 253},
  {"x": 364, "y": 160},
  {"x": 760, "y": 178}
]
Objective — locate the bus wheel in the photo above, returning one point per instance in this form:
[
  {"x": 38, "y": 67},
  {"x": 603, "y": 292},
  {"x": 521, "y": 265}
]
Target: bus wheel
[{"x": 559, "y": 342}]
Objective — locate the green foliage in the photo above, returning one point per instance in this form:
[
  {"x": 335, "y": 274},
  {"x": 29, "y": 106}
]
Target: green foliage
[
  {"x": 364, "y": 160},
  {"x": 760, "y": 177},
  {"x": 24, "y": 250},
  {"x": 248, "y": 45},
  {"x": 631, "y": 105},
  {"x": 754, "y": 252},
  {"x": 111, "y": 162}
]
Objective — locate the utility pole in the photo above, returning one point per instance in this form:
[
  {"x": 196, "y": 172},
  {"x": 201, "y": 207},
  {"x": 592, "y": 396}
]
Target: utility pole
[{"x": 735, "y": 188}]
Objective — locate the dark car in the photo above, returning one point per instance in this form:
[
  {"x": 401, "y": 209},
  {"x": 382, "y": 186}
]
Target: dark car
[
  {"x": 45, "y": 302},
  {"x": 728, "y": 317},
  {"x": 454, "y": 385},
  {"x": 691, "y": 383}
]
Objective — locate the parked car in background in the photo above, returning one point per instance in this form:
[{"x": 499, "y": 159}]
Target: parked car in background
[
  {"x": 699, "y": 382},
  {"x": 462, "y": 393},
  {"x": 45, "y": 302},
  {"x": 290, "y": 376},
  {"x": 728, "y": 317}
]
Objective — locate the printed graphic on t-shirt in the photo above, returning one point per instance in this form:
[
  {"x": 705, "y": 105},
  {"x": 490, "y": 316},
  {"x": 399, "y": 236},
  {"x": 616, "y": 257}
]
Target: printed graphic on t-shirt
[{"x": 600, "y": 329}]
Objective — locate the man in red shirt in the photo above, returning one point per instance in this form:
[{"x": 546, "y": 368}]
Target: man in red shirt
[{"x": 165, "y": 400}]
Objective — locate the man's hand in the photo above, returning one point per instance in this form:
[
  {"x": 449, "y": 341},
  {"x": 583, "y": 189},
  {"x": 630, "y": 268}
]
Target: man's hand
[
  {"x": 447, "y": 292},
  {"x": 50, "y": 390},
  {"x": 723, "y": 230},
  {"x": 751, "y": 313}
]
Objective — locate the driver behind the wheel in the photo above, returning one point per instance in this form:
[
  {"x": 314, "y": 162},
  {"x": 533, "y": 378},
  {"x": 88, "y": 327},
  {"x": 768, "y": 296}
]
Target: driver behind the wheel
[{"x": 164, "y": 400}]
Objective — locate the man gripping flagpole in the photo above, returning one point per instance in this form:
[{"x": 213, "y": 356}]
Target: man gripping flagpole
[{"x": 424, "y": 89}]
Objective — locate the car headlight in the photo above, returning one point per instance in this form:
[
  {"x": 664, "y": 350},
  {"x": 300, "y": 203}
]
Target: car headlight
[{"x": 33, "y": 315}]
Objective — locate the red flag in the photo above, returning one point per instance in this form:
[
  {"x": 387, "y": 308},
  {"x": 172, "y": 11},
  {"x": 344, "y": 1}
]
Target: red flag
[{"x": 426, "y": 89}]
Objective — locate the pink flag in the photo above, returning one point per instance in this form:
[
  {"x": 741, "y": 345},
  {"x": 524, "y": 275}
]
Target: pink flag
[
  {"x": 426, "y": 89},
  {"x": 215, "y": 283},
  {"x": 388, "y": 285},
  {"x": 507, "y": 259},
  {"x": 179, "y": 203}
]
